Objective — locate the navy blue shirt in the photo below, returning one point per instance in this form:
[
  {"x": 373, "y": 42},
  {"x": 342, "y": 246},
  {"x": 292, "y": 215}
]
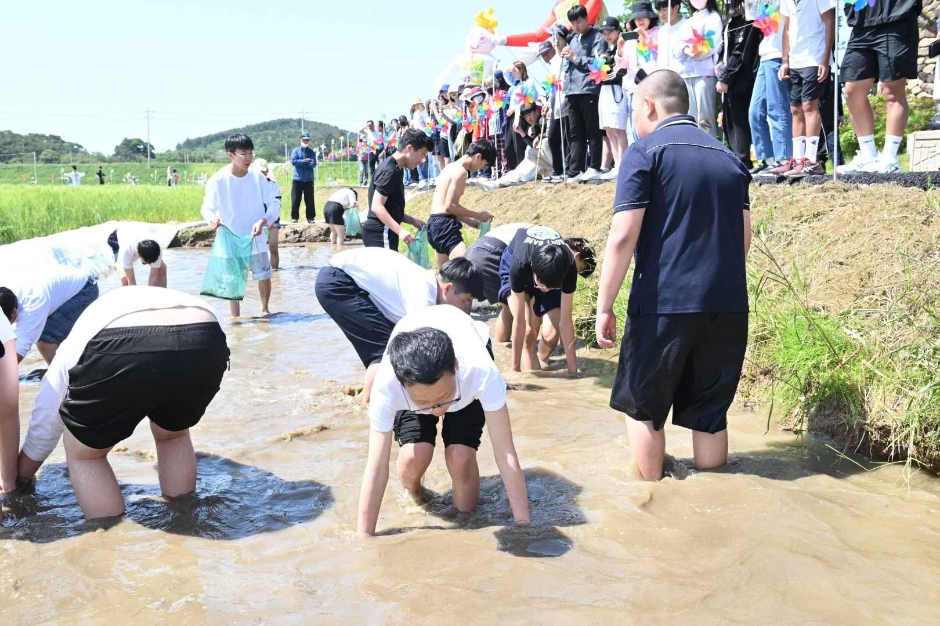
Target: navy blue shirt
[
  {"x": 303, "y": 171},
  {"x": 690, "y": 253}
]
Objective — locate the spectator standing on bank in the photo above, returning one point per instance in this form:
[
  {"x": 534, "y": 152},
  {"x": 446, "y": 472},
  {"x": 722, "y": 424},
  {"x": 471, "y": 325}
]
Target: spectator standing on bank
[
  {"x": 687, "y": 317},
  {"x": 582, "y": 93},
  {"x": 701, "y": 57},
  {"x": 556, "y": 108},
  {"x": 769, "y": 114},
  {"x": 612, "y": 102},
  {"x": 736, "y": 81},
  {"x": 100, "y": 174},
  {"x": 304, "y": 160}
]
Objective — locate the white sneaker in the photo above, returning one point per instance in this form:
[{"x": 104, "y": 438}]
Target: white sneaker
[
  {"x": 589, "y": 175},
  {"x": 858, "y": 164},
  {"x": 422, "y": 185},
  {"x": 883, "y": 165},
  {"x": 575, "y": 179},
  {"x": 611, "y": 175}
]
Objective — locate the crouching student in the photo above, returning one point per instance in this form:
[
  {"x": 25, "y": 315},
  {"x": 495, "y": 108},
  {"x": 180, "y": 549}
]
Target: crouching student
[
  {"x": 438, "y": 366},
  {"x": 485, "y": 254},
  {"x": 446, "y": 211},
  {"x": 130, "y": 249},
  {"x": 367, "y": 291},
  {"x": 136, "y": 353},
  {"x": 335, "y": 213},
  {"x": 538, "y": 274}
]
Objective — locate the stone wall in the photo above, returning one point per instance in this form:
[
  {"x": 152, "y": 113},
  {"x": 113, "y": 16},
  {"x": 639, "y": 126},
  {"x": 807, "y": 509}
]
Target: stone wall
[{"x": 923, "y": 84}]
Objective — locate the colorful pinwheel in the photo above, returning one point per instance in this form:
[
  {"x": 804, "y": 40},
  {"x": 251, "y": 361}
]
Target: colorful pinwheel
[
  {"x": 861, "y": 4},
  {"x": 551, "y": 84},
  {"x": 646, "y": 48},
  {"x": 599, "y": 70},
  {"x": 768, "y": 19},
  {"x": 524, "y": 96},
  {"x": 499, "y": 100},
  {"x": 701, "y": 44}
]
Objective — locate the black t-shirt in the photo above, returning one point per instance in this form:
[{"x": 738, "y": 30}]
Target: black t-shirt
[
  {"x": 389, "y": 180},
  {"x": 524, "y": 245}
]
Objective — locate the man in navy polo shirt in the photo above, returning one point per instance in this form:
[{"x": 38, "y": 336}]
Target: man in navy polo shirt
[{"x": 682, "y": 206}]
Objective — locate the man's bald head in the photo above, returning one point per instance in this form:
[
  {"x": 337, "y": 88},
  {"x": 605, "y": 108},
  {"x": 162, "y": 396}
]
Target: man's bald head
[
  {"x": 668, "y": 89},
  {"x": 660, "y": 95}
]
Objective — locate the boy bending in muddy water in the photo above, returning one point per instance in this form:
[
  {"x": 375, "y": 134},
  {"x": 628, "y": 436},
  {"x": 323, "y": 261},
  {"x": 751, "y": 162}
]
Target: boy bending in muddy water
[
  {"x": 367, "y": 291},
  {"x": 446, "y": 211},
  {"x": 438, "y": 365},
  {"x": 244, "y": 201},
  {"x": 139, "y": 352}
]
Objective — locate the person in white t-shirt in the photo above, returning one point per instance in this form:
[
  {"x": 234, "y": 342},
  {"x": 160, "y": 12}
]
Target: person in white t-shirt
[
  {"x": 439, "y": 365},
  {"x": 334, "y": 213},
  {"x": 244, "y": 201},
  {"x": 368, "y": 290},
  {"x": 46, "y": 304},
  {"x": 146, "y": 251},
  {"x": 136, "y": 353},
  {"x": 74, "y": 177},
  {"x": 9, "y": 403},
  {"x": 808, "y": 32}
]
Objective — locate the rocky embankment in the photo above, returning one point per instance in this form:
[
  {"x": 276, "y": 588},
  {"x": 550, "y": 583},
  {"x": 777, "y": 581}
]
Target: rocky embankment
[{"x": 203, "y": 236}]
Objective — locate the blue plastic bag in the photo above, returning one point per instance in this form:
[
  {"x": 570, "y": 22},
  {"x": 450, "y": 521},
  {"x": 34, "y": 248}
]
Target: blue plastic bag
[
  {"x": 227, "y": 274},
  {"x": 418, "y": 249}
]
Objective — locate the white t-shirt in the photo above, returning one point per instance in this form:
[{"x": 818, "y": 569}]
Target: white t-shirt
[
  {"x": 240, "y": 201},
  {"x": 45, "y": 425},
  {"x": 771, "y": 46},
  {"x": 40, "y": 294},
  {"x": 345, "y": 197},
  {"x": 396, "y": 285},
  {"x": 477, "y": 375},
  {"x": 75, "y": 179},
  {"x": 419, "y": 120},
  {"x": 507, "y": 232},
  {"x": 128, "y": 255},
  {"x": 703, "y": 22},
  {"x": 6, "y": 330},
  {"x": 276, "y": 210},
  {"x": 669, "y": 45},
  {"x": 807, "y": 31}
]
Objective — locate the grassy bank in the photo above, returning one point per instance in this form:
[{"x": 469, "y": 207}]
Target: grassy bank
[{"x": 845, "y": 322}]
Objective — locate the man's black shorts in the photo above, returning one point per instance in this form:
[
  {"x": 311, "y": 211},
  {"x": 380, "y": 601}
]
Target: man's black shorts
[
  {"x": 805, "y": 86},
  {"x": 167, "y": 373},
  {"x": 444, "y": 233},
  {"x": 353, "y": 310},
  {"x": 887, "y": 52},
  {"x": 463, "y": 427},
  {"x": 375, "y": 234},
  {"x": 485, "y": 254},
  {"x": 690, "y": 363},
  {"x": 333, "y": 213}
]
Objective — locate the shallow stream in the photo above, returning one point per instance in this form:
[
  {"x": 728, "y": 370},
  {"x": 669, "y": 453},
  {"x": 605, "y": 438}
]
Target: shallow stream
[{"x": 788, "y": 532}]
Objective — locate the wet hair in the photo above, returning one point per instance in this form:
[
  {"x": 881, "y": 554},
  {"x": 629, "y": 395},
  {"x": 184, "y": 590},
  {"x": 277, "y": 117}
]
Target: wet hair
[
  {"x": 238, "y": 141},
  {"x": 464, "y": 275},
  {"x": 421, "y": 356},
  {"x": 667, "y": 88},
  {"x": 149, "y": 251},
  {"x": 485, "y": 148},
  {"x": 550, "y": 264},
  {"x": 523, "y": 70},
  {"x": 8, "y": 302},
  {"x": 577, "y": 13},
  {"x": 586, "y": 253},
  {"x": 417, "y": 139}
]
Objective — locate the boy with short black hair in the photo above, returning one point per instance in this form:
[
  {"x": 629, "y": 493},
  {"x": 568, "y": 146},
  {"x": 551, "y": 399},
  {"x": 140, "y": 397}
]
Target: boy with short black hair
[
  {"x": 808, "y": 32},
  {"x": 244, "y": 201},
  {"x": 446, "y": 211},
  {"x": 147, "y": 251},
  {"x": 383, "y": 228}
]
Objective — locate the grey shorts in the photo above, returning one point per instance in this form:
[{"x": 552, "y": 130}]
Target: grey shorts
[{"x": 60, "y": 323}]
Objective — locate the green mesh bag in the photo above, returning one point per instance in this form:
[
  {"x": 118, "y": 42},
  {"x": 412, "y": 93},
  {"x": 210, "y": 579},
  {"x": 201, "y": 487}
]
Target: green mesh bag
[
  {"x": 227, "y": 274},
  {"x": 353, "y": 225},
  {"x": 418, "y": 249}
]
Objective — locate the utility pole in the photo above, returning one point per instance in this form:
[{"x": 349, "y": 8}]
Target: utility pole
[
  {"x": 148, "y": 137},
  {"x": 302, "y": 120}
]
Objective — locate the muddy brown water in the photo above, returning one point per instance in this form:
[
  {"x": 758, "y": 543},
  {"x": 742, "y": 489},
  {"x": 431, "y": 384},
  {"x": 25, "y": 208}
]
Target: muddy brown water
[{"x": 788, "y": 532}]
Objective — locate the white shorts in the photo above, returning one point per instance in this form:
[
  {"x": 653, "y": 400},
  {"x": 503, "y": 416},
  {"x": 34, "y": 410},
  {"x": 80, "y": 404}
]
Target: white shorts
[
  {"x": 261, "y": 266},
  {"x": 612, "y": 107}
]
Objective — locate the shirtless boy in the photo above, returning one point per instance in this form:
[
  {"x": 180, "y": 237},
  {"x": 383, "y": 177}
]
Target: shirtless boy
[{"x": 446, "y": 211}]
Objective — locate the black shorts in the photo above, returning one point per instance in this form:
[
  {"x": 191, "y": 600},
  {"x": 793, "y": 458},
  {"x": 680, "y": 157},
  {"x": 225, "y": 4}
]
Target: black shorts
[
  {"x": 805, "y": 86},
  {"x": 887, "y": 52},
  {"x": 333, "y": 213},
  {"x": 375, "y": 234},
  {"x": 485, "y": 254},
  {"x": 688, "y": 362},
  {"x": 542, "y": 301},
  {"x": 463, "y": 427},
  {"x": 167, "y": 373},
  {"x": 444, "y": 233},
  {"x": 353, "y": 310}
]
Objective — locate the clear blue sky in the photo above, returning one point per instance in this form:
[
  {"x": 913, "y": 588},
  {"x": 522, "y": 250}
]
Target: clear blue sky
[{"x": 87, "y": 71}]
